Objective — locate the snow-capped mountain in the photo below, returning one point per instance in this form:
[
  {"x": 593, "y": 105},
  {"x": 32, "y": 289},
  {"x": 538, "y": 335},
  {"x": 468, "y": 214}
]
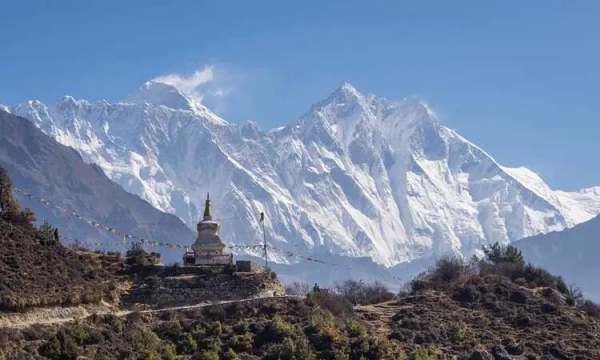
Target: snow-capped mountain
[{"x": 356, "y": 176}]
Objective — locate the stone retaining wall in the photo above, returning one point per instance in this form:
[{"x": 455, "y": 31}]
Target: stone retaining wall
[{"x": 193, "y": 287}]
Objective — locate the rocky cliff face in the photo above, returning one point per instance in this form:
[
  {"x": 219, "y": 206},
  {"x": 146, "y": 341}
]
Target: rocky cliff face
[{"x": 356, "y": 176}]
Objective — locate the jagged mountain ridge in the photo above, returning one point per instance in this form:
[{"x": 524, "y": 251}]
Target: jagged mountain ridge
[
  {"x": 45, "y": 168},
  {"x": 357, "y": 175}
]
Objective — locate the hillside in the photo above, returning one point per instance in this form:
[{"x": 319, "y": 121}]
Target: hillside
[
  {"x": 498, "y": 309},
  {"x": 572, "y": 253},
  {"x": 357, "y": 176},
  {"x": 509, "y": 310},
  {"x": 46, "y": 169},
  {"x": 36, "y": 270}
]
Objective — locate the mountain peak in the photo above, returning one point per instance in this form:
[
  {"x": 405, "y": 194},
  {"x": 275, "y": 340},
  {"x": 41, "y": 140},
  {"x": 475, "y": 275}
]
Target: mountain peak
[
  {"x": 346, "y": 90},
  {"x": 345, "y": 94},
  {"x": 160, "y": 93}
]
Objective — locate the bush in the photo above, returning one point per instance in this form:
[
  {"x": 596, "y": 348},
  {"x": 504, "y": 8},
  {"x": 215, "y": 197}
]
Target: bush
[
  {"x": 562, "y": 286},
  {"x": 290, "y": 349},
  {"x": 60, "y": 347},
  {"x": 497, "y": 253},
  {"x": 467, "y": 294},
  {"x": 209, "y": 355},
  {"x": 275, "y": 330},
  {"x": 242, "y": 343},
  {"x": 360, "y": 292},
  {"x": 325, "y": 336},
  {"x": 447, "y": 271},
  {"x": 332, "y": 302},
  {"x": 215, "y": 328},
  {"x": 420, "y": 353},
  {"x": 137, "y": 256},
  {"x": 590, "y": 308},
  {"x": 418, "y": 284},
  {"x": 241, "y": 327},
  {"x": 187, "y": 344},
  {"x": 168, "y": 351},
  {"x": 230, "y": 355},
  {"x": 48, "y": 234},
  {"x": 461, "y": 333},
  {"x": 574, "y": 295},
  {"x": 171, "y": 329},
  {"x": 521, "y": 273}
]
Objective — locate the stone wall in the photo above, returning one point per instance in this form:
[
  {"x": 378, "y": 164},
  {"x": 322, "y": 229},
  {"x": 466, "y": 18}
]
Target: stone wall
[{"x": 189, "y": 286}]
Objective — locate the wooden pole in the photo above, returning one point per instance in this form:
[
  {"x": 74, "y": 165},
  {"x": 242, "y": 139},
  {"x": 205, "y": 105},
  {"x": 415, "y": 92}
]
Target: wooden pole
[{"x": 262, "y": 221}]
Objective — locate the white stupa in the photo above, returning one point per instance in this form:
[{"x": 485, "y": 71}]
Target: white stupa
[{"x": 208, "y": 250}]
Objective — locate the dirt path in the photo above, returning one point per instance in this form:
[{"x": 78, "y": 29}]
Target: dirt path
[
  {"x": 52, "y": 316},
  {"x": 378, "y": 316}
]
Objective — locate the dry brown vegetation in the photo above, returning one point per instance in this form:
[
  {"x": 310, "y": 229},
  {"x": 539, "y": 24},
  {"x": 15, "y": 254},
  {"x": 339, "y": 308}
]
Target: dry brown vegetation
[
  {"x": 496, "y": 308},
  {"x": 36, "y": 270}
]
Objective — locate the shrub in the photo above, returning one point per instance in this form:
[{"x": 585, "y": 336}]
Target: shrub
[
  {"x": 137, "y": 256},
  {"x": 373, "y": 348},
  {"x": 187, "y": 344},
  {"x": 467, "y": 294},
  {"x": 241, "y": 327},
  {"x": 142, "y": 339},
  {"x": 168, "y": 351},
  {"x": 497, "y": 253},
  {"x": 212, "y": 344},
  {"x": 114, "y": 322},
  {"x": 290, "y": 349},
  {"x": 48, "y": 234},
  {"x": 590, "y": 308},
  {"x": 418, "y": 284},
  {"x": 209, "y": 355},
  {"x": 60, "y": 347},
  {"x": 421, "y": 353},
  {"x": 324, "y": 335},
  {"x": 461, "y": 333},
  {"x": 574, "y": 295},
  {"x": 447, "y": 270},
  {"x": 275, "y": 330},
  {"x": 242, "y": 343},
  {"x": 147, "y": 354},
  {"x": 562, "y": 286},
  {"x": 215, "y": 328},
  {"x": 230, "y": 355},
  {"x": 360, "y": 292},
  {"x": 332, "y": 302},
  {"x": 171, "y": 329}
]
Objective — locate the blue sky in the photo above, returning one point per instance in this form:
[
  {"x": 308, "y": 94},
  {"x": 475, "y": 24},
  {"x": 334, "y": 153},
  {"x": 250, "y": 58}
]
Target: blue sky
[{"x": 520, "y": 79}]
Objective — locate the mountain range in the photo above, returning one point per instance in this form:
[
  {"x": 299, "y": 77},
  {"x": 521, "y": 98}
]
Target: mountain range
[
  {"x": 357, "y": 176},
  {"x": 57, "y": 174}
]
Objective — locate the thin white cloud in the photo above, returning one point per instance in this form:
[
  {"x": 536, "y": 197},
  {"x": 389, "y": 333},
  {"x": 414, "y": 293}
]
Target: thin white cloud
[{"x": 202, "y": 83}]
